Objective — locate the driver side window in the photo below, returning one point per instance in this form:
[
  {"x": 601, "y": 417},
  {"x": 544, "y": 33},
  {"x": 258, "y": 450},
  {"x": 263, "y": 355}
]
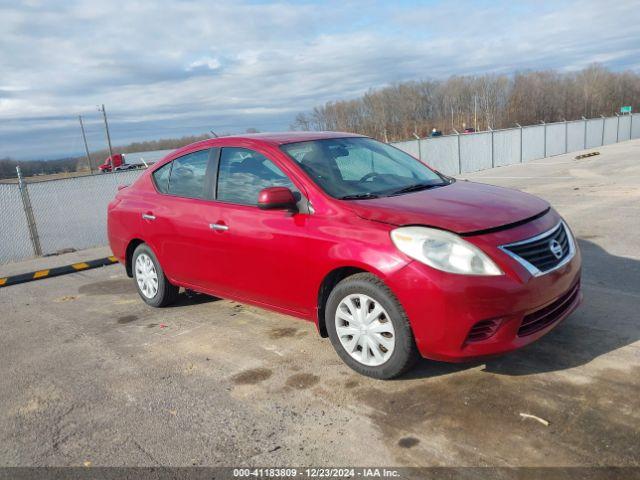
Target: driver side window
[
  {"x": 243, "y": 173},
  {"x": 354, "y": 166},
  {"x": 356, "y": 163}
]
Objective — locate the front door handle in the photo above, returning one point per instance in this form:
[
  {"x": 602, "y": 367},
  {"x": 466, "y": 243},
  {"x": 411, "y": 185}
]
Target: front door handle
[
  {"x": 219, "y": 227},
  {"x": 148, "y": 216}
]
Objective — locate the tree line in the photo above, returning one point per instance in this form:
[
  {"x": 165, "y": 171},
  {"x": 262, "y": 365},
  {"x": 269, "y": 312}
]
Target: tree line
[
  {"x": 403, "y": 110},
  {"x": 77, "y": 164},
  {"x": 98, "y": 157},
  {"x": 36, "y": 167}
]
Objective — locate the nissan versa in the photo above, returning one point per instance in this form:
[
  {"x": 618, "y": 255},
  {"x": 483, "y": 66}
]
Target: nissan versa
[{"x": 389, "y": 258}]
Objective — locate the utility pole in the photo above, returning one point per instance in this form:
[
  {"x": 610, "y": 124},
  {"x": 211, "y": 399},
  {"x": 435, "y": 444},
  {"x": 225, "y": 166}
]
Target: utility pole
[
  {"x": 106, "y": 127},
  {"x": 86, "y": 146}
]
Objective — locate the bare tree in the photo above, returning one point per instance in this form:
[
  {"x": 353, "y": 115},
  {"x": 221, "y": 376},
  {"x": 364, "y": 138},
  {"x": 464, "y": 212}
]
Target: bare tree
[{"x": 398, "y": 111}]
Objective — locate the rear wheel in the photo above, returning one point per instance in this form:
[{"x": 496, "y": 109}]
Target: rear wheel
[
  {"x": 369, "y": 328},
  {"x": 152, "y": 284}
]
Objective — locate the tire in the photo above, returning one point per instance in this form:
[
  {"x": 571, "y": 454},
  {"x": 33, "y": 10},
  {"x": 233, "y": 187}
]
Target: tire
[
  {"x": 391, "y": 324},
  {"x": 165, "y": 293}
]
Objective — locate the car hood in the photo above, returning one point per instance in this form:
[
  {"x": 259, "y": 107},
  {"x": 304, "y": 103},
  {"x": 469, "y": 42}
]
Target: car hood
[{"x": 461, "y": 207}]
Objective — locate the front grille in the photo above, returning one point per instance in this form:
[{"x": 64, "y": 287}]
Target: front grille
[
  {"x": 483, "y": 330},
  {"x": 546, "y": 316},
  {"x": 546, "y": 251}
]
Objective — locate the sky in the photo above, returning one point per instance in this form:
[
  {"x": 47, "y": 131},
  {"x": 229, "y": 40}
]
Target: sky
[{"x": 172, "y": 68}]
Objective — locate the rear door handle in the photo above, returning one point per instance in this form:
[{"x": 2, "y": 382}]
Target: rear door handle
[
  {"x": 219, "y": 227},
  {"x": 148, "y": 216}
]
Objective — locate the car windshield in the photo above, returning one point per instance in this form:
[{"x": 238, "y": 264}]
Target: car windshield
[{"x": 360, "y": 168}]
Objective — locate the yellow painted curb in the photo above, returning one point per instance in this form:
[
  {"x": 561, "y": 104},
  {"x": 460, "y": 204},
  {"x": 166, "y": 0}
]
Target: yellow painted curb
[{"x": 40, "y": 274}]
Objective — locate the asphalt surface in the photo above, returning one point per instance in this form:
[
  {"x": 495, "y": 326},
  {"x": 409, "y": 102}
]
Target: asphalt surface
[{"x": 89, "y": 373}]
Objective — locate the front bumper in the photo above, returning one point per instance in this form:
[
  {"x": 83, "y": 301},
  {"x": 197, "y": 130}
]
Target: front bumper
[{"x": 443, "y": 308}]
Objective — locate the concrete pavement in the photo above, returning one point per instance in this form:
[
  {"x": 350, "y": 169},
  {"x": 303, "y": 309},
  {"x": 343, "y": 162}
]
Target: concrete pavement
[{"x": 90, "y": 373}]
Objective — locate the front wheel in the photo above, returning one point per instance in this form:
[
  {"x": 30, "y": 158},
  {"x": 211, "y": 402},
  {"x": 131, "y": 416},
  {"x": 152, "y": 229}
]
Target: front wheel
[
  {"x": 153, "y": 286},
  {"x": 369, "y": 328}
]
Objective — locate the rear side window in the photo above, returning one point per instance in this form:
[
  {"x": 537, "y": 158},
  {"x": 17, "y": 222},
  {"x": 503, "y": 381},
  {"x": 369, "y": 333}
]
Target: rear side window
[
  {"x": 188, "y": 175},
  {"x": 161, "y": 178},
  {"x": 243, "y": 173}
]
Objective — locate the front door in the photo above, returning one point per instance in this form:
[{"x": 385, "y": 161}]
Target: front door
[{"x": 265, "y": 251}]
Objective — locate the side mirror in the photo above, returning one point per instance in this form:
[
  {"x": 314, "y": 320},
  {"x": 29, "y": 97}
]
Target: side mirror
[{"x": 276, "y": 198}]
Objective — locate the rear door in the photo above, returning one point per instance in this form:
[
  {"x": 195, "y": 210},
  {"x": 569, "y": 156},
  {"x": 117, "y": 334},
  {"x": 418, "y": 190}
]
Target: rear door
[{"x": 177, "y": 226}]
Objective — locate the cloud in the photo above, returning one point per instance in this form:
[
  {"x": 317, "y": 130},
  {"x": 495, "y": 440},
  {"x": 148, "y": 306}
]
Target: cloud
[
  {"x": 165, "y": 68},
  {"x": 204, "y": 65}
]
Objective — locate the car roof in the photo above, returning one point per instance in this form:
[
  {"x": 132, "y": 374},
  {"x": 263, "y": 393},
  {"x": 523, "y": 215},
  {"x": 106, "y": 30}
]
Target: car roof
[
  {"x": 272, "y": 138},
  {"x": 280, "y": 138}
]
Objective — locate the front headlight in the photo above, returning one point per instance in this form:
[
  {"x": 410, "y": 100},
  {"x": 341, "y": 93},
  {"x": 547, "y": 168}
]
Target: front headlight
[{"x": 443, "y": 250}]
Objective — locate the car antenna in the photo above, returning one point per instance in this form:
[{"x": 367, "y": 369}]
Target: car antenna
[{"x": 214, "y": 134}]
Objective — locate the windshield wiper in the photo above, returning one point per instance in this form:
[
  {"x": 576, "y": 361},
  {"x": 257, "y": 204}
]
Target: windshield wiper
[
  {"x": 359, "y": 196},
  {"x": 415, "y": 188}
]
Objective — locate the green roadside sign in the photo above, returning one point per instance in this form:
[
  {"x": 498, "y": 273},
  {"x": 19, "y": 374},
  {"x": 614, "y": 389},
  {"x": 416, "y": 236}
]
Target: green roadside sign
[{"x": 626, "y": 109}]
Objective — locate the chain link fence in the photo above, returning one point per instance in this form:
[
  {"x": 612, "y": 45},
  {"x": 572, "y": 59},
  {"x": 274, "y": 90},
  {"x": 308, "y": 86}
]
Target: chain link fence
[
  {"x": 46, "y": 217},
  {"x": 15, "y": 241},
  {"x": 72, "y": 212}
]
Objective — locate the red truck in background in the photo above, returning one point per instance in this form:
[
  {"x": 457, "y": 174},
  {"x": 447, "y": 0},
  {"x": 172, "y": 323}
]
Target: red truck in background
[{"x": 117, "y": 162}]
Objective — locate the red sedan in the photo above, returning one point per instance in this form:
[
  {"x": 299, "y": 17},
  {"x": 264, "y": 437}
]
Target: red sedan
[{"x": 389, "y": 258}]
